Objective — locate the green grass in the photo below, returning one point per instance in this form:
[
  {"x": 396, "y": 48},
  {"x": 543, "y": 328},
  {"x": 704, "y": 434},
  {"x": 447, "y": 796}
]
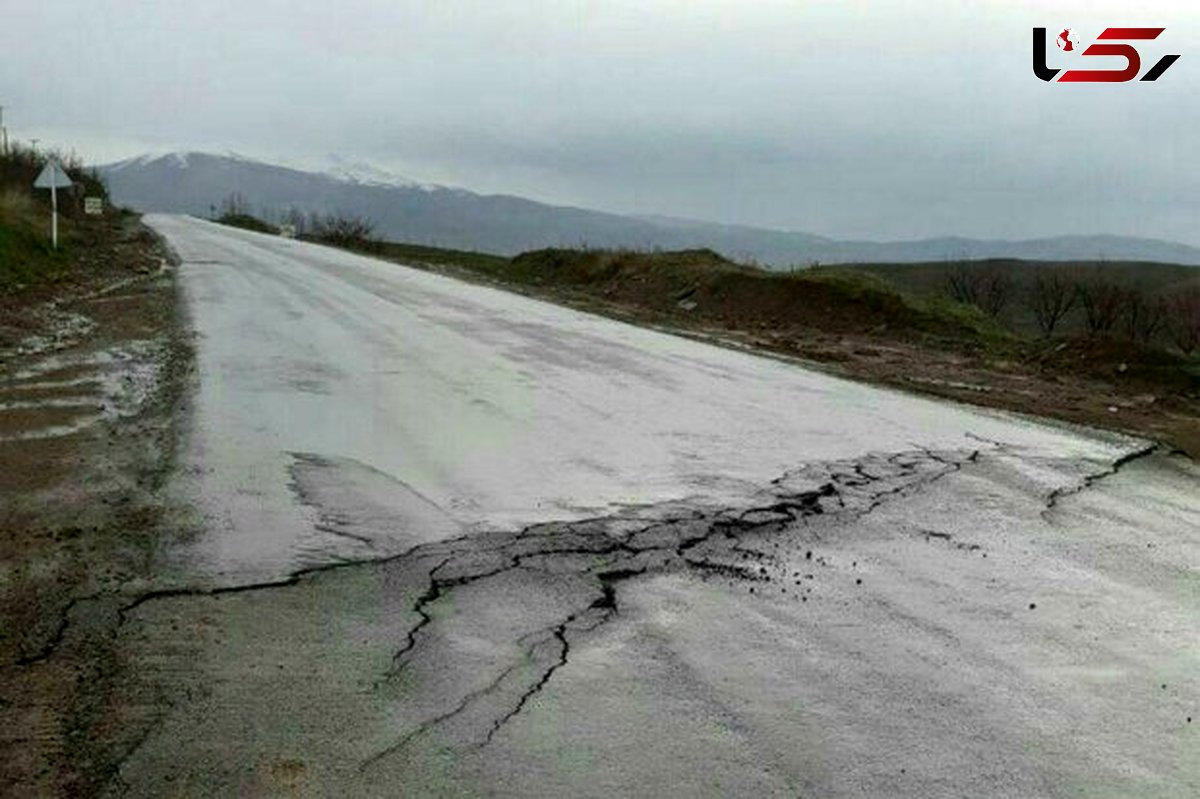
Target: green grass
[
  {"x": 481, "y": 262},
  {"x": 247, "y": 222},
  {"x": 704, "y": 286},
  {"x": 924, "y": 312},
  {"x": 928, "y": 281},
  {"x": 26, "y": 254}
]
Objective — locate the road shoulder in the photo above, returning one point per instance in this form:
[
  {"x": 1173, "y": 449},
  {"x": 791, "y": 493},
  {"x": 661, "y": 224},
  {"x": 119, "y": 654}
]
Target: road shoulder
[{"x": 93, "y": 373}]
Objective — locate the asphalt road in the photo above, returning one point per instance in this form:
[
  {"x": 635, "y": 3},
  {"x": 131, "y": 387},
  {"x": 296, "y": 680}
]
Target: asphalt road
[{"x": 602, "y": 560}]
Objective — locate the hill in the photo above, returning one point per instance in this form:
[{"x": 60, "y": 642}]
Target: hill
[{"x": 439, "y": 216}]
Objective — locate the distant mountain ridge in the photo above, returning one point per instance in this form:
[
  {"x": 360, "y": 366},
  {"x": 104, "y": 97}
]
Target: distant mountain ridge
[{"x": 422, "y": 213}]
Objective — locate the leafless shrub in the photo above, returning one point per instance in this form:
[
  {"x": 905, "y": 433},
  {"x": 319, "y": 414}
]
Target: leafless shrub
[
  {"x": 234, "y": 205},
  {"x": 296, "y": 218},
  {"x": 1183, "y": 324},
  {"x": 1103, "y": 304},
  {"x": 344, "y": 230},
  {"x": 987, "y": 288},
  {"x": 1142, "y": 317},
  {"x": 961, "y": 285},
  {"x": 1051, "y": 296}
]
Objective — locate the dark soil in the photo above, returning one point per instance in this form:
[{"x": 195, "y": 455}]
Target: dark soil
[{"x": 81, "y": 508}]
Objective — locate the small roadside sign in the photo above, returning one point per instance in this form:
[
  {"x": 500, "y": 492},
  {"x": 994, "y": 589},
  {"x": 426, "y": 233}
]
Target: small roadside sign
[
  {"x": 93, "y": 206},
  {"x": 53, "y": 177}
]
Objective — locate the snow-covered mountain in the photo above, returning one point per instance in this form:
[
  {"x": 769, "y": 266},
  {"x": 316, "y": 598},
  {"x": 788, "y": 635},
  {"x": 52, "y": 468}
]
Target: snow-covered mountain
[
  {"x": 366, "y": 174},
  {"x": 407, "y": 210}
]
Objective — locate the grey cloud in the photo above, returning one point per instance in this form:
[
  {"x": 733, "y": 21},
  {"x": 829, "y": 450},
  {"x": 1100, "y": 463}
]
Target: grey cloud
[{"x": 888, "y": 120}]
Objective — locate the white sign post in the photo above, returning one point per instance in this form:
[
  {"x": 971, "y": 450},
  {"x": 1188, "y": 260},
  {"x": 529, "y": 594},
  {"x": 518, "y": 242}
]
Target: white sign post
[{"x": 53, "y": 177}]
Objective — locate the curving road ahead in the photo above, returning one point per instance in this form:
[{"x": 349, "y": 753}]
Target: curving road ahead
[{"x": 592, "y": 559}]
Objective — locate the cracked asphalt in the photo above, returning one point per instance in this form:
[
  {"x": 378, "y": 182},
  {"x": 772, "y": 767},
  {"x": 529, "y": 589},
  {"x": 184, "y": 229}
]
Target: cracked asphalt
[{"x": 450, "y": 541}]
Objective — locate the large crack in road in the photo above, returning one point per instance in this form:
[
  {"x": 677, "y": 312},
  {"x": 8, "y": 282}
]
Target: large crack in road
[
  {"x": 591, "y": 559},
  {"x": 594, "y": 557},
  {"x": 604, "y": 552},
  {"x": 474, "y": 632}
]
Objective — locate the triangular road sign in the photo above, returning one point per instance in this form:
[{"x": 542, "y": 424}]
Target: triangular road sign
[{"x": 53, "y": 176}]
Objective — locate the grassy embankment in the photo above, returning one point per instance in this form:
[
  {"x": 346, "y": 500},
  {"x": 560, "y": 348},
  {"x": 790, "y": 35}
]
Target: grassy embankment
[
  {"x": 26, "y": 256},
  {"x": 27, "y": 259},
  {"x": 701, "y": 285},
  {"x": 246, "y": 222}
]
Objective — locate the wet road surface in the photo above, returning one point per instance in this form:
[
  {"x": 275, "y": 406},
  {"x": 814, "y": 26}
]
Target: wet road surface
[
  {"x": 455, "y": 407},
  {"x": 607, "y": 561}
]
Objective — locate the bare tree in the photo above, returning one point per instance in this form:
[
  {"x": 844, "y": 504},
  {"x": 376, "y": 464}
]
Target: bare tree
[
  {"x": 234, "y": 205},
  {"x": 1051, "y": 296},
  {"x": 295, "y": 217},
  {"x": 997, "y": 291},
  {"x": 1183, "y": 324},
  {"x": 1141, "y": 316},
  {"x": 961, "y": 284},
  {"x": 985, "y": 287},
  {"x": 1103, "y": 302},
  {"x": 345, "y": 230}
]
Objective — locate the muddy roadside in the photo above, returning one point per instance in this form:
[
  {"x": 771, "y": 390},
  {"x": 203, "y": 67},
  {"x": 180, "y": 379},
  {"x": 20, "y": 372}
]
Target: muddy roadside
[{"x": 94, "y": 369}]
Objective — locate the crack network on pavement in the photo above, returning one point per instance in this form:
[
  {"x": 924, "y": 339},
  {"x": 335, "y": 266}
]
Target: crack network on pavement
[{"x": 606, "y": 551}]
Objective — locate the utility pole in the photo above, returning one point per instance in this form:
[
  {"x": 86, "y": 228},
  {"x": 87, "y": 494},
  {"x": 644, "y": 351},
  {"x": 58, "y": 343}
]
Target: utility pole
[
  {"x": 3, "y": 134},
  {"x": 54, "y": 204}
]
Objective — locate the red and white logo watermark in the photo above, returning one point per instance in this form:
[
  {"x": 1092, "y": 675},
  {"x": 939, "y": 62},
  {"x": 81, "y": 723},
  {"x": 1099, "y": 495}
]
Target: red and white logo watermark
[
  {"x": 1112, "y": 42},
  {"x": 1067, "y": 40}
]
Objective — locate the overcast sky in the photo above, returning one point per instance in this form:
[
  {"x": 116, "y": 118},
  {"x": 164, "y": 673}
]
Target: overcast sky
[{"x": 850, "y": 119}]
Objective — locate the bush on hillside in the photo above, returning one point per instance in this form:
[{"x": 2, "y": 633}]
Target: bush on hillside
[
  {"x": 20, "y": 166},
  {"x": 344, "y": 230}
]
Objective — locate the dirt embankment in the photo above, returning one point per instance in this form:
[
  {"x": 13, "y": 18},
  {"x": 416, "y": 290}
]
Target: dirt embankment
[
  {"x": 858, "y": 326},
  {"x": 93, "y": 367}
]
